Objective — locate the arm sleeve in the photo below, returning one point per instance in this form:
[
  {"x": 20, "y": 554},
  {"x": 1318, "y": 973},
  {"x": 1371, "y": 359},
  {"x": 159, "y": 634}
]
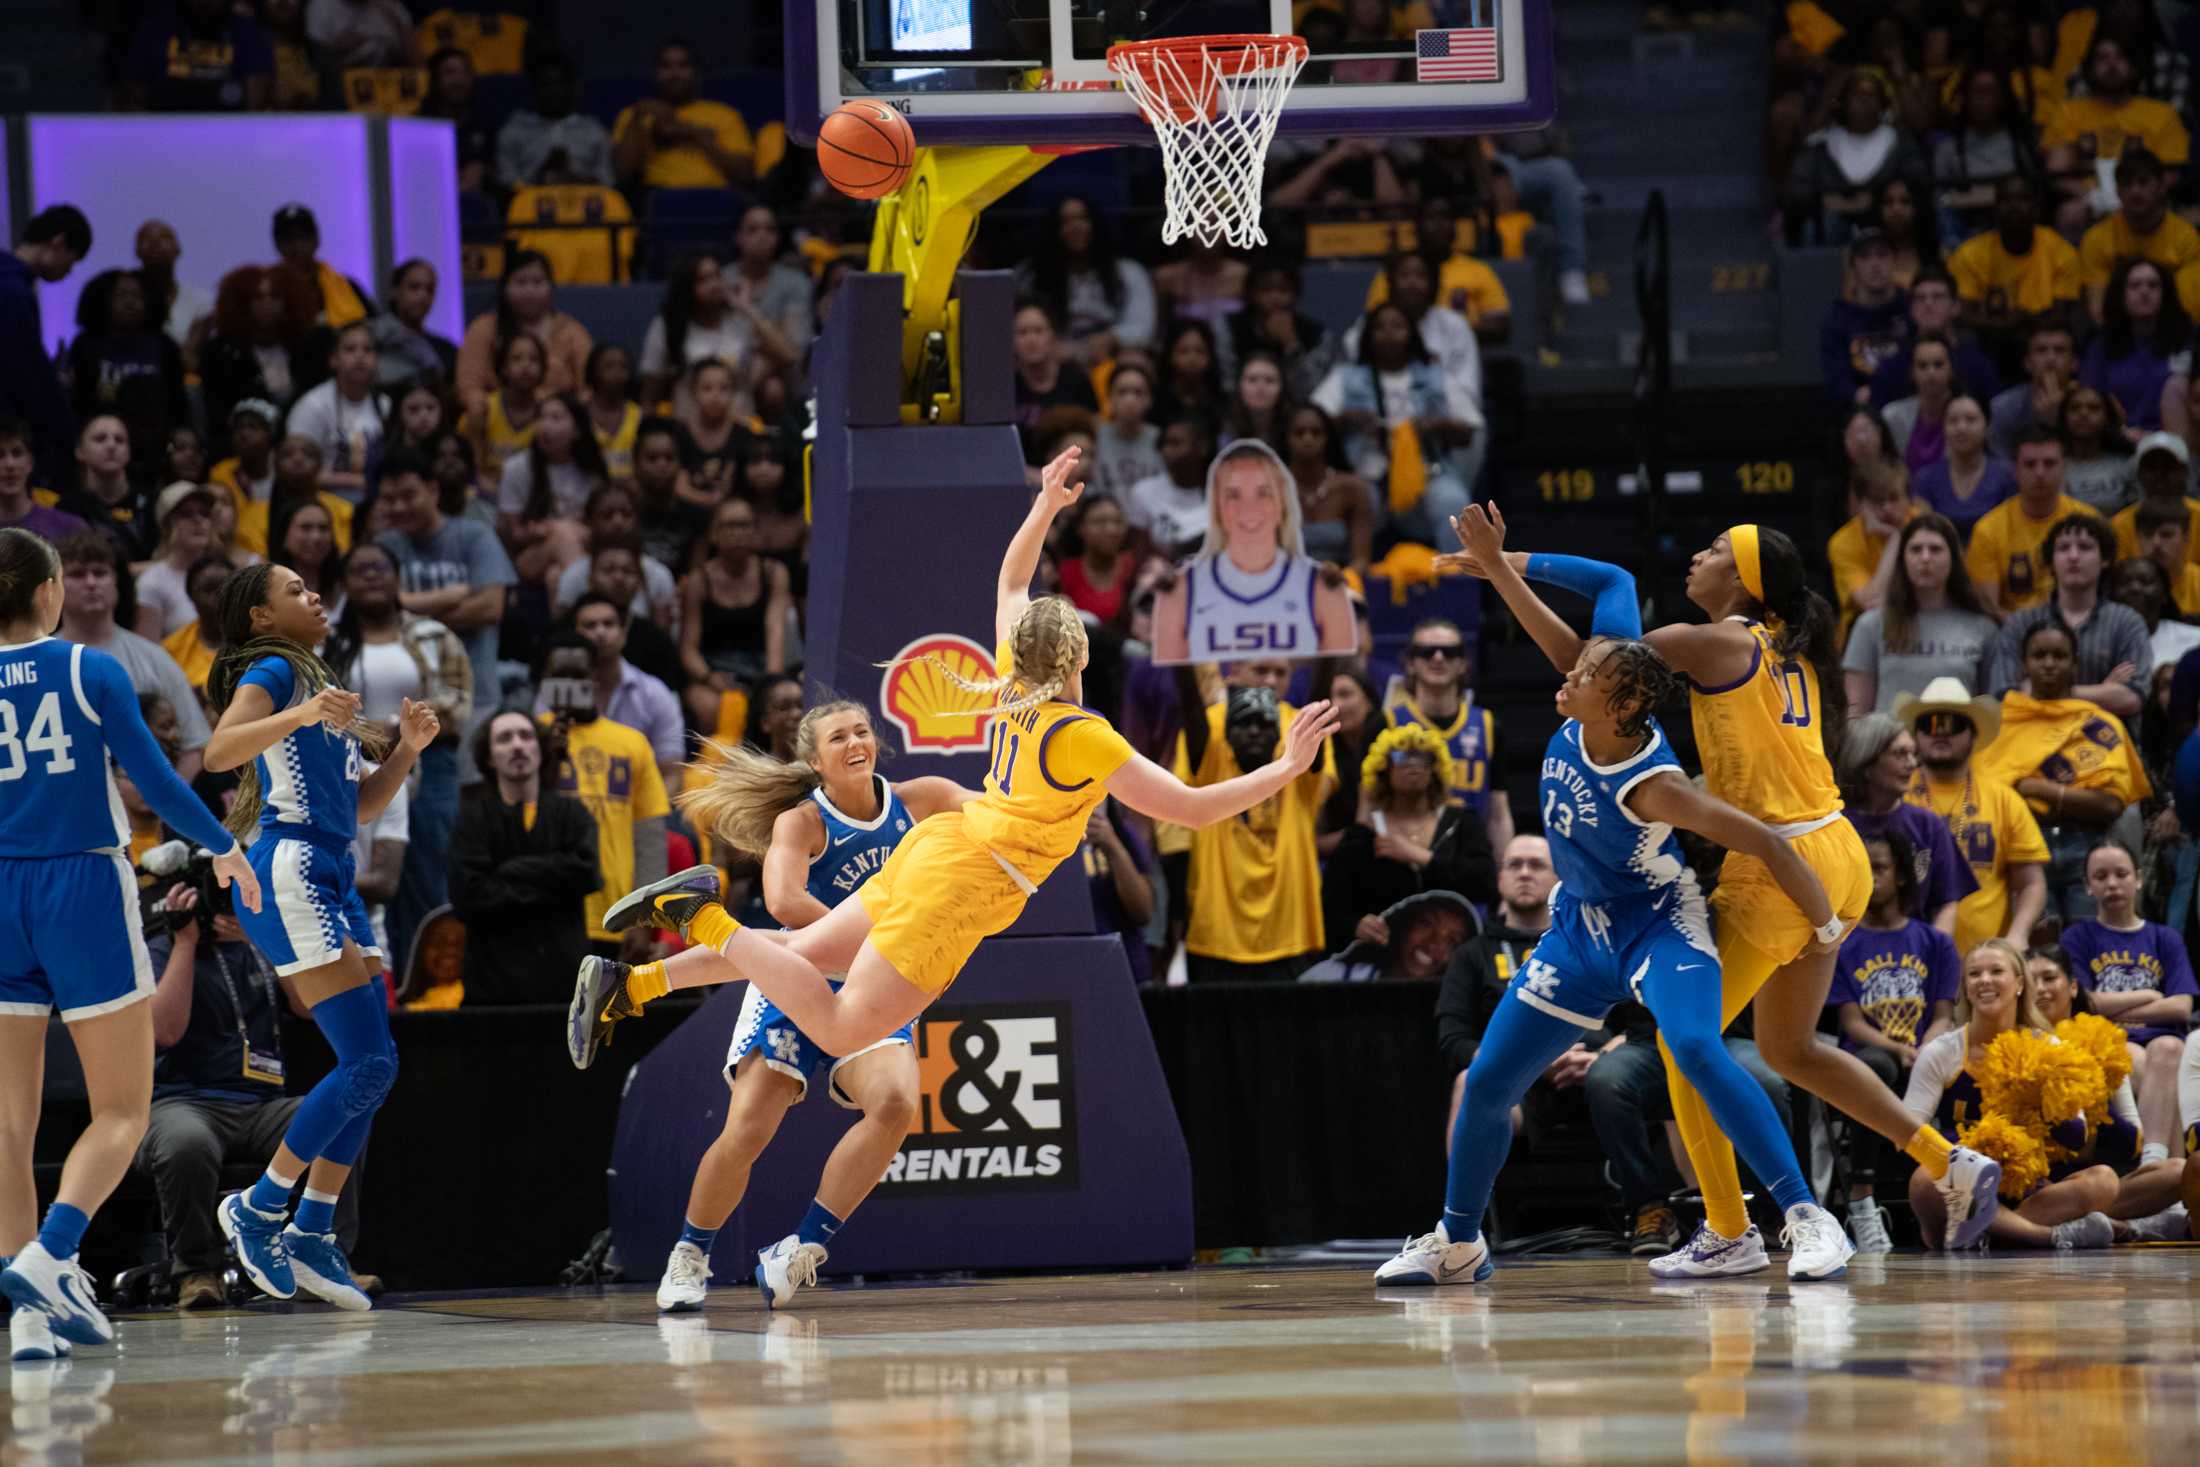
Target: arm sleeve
[
  {"x": 142, "y": 759},
  {"x": 1617, "y": 614}
]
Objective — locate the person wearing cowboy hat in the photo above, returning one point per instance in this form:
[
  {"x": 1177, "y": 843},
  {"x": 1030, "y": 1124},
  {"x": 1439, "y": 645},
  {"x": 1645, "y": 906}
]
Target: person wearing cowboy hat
[
  {"x": 185, "y": 516},
  {"x": 1988, "y": 820}
]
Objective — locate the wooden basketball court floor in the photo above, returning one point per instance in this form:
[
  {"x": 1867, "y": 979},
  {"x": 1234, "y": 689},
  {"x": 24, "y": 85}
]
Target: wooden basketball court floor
[{"x": 2003, "y": 1360}]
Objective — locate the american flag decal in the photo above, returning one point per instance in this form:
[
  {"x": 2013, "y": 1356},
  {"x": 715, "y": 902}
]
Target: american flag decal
[{"x": 1464, "y": 55}]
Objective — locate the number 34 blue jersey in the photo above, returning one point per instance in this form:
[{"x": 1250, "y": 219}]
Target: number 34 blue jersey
[
  {"x": 1602, "y": 851},
  {"x": 63, "y": 707}
]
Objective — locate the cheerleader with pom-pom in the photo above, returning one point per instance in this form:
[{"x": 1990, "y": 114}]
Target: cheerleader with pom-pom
[
  {"x": 1960, "y": 1077},
  {"x": 2147, "y": 1190}
]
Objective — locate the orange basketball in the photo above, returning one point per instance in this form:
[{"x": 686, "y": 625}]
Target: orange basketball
[{"x": 865, "y": 149}]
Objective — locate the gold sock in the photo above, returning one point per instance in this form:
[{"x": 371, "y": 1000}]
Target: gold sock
[
  {"x": 1929, "y": 1149},
  {"x": 646, "y": 982},
  {"x": 711, "y": 927}
]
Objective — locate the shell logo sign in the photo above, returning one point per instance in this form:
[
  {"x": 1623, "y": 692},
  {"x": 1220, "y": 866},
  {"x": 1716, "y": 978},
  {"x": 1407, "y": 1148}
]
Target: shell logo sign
[{"x": 933, "y": 714}]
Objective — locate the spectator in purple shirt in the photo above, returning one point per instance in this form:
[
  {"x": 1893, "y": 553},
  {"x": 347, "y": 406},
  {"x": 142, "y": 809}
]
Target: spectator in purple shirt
[
  {"x": 1894, "y": 988},
  {"x": 18, "y": 511},
  {"x": 2138, "y": 975},
  {"x": 1878, "y": 759},
  {"x": 2144, "y": 349},
  {"x": 1932, "y": 307}
]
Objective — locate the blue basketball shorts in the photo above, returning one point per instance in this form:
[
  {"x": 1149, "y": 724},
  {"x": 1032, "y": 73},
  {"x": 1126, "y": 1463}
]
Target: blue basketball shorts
[
  {"x": 1594, "y": 958},
  {"x": 763, "y": 1030},
  {"x": 309, "y": 904},
  {"x": 70, "y": 938}
]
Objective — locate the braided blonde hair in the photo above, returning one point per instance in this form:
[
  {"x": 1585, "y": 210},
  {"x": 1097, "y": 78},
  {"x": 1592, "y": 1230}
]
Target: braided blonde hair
[
  {"x": 1046, "y": 651},
  {"x": 735, "y": 793}
]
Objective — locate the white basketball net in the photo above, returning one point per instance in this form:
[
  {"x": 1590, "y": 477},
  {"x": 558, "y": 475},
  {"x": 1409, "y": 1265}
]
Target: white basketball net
[{"x": 1214, "y": 106}]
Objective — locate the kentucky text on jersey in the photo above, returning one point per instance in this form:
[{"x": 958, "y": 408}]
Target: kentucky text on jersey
[
  {"x": 855, "y": 848},
  {"x": 1600, "y": 860}
]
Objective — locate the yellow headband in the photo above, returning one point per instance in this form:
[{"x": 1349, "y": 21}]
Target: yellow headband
[{"x": 1742, "y": 540}]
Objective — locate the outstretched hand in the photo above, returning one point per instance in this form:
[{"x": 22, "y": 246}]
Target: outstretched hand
[
  {"x": 1060, "y": 482},
  {"x": 418, "y": 724},
  {"x": 1303, "y": 744},
  {"x": 1481, "y": 532}
]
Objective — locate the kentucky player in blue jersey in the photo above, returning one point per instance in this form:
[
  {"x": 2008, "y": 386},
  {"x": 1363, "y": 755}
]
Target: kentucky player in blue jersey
[
  {"x": 1627, "y": 921},
  {"x": 283, "y": 717},
  {"x": 69, "y": 935},
  {"x": 822, "y": 826}
]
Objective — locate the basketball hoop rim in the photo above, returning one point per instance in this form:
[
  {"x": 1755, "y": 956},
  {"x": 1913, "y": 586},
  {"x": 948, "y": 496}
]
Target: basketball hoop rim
[{"x": 1269, "y": 51}]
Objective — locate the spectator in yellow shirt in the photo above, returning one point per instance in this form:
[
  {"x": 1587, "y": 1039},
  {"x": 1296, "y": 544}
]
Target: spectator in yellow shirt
[
  {"x": 2143, "y": 226},
  {"x": 1254, "y": 885},
  {"x": 2008, "y": 557},
  {"x": 1858, "y": 550},
  {"x": 2018, "y": 269},
  {"x": 1463, "y": 283},
  {"x": 1992, "y": 827},
  {"x": 2094, "y": 129},
  {"x": 677, "y": 139}
]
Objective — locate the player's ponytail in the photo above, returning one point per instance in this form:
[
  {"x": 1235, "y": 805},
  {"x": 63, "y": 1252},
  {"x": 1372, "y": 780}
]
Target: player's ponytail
[
  {"x": 26, "y": 563},
  {"x": 1807, "y": 628},
  {"x": 1046, "y": 649},
  {"x": 242, "y": 645},
  {"x": 735, "y": 793}
]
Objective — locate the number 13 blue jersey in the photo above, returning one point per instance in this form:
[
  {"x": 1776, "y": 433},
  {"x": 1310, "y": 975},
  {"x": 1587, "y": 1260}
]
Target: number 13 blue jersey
[{"x": 1602, "y": 851}]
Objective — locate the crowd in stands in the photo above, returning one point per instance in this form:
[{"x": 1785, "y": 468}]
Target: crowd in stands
[
  {"x": 592, "y": 555},
  {"x": 2008, "y": 369}
]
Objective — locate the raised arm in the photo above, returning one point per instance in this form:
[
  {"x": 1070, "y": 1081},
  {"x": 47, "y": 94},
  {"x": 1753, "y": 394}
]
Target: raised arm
[
  {"x": 1059, "y": 486},
  {"x": 1156, "y": 793},
  {"x": 1617, "y": 612},
  {"x": 141, "y": 758},
  {"x": 250, "y": 726},
  {"x": 1677, "y": 802}
]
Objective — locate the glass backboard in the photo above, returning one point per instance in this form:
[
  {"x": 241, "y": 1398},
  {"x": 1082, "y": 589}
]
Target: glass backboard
[{"x": 1035, "y": 71}]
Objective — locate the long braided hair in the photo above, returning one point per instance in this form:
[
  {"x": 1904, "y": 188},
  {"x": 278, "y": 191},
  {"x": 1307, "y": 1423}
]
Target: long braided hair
[
  {"x": 1046, "y": 648},
  {"x": 242, "y": 645},
  {"x": 735, "y": 793}
]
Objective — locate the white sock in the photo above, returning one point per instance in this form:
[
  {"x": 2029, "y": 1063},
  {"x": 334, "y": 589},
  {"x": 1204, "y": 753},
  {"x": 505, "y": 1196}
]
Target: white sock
[
  {"x": 2153, "y": 1151},
  {"x": 1863, "y": 1206}
]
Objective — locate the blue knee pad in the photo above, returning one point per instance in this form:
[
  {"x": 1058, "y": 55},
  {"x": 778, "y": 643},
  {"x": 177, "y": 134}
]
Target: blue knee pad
[{"x": 366, "y": 1082}]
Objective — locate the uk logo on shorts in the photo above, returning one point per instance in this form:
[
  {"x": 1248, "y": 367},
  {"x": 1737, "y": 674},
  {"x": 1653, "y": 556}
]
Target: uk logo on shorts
[
  {"x": 1540, "y": 979},
  {"x": 786, "y": 1045},
  {"x": 996, "y": 1102}
]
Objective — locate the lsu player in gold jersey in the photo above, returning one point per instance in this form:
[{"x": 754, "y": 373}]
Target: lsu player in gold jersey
[
  {"x": 962, "y": 876},
  {"x": 1767, "y": 699}
]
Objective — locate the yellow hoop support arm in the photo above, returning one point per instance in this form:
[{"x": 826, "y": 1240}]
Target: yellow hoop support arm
[{"x": 924, "y": 228}]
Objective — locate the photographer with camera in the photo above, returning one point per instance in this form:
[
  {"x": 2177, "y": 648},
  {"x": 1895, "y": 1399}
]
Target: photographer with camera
[{"x": 218, "y": 1069}]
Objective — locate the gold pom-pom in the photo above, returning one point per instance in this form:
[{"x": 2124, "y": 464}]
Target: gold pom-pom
[
  {"x": 2023, "y": 1158},
  {"x": 2071, "y": 1083},
  {"x": 2104, "y": 1039},
  {"x": 2009, "y": 1076}
]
